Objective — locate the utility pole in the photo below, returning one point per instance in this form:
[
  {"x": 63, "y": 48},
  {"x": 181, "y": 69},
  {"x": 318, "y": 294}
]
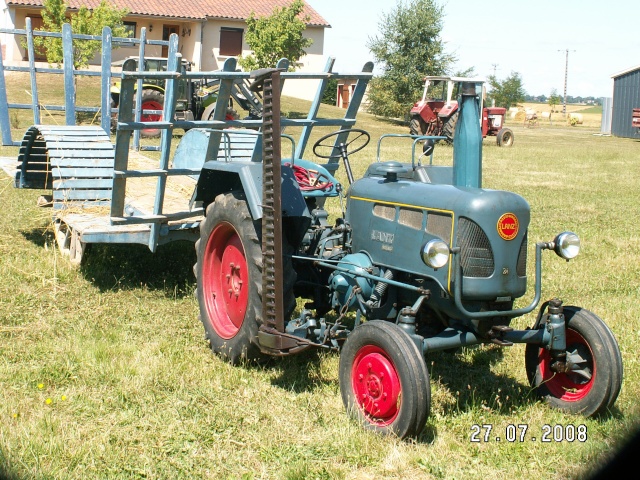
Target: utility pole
[
  {"x": 495, "y": 67},
  {"x": 566, "y": 71}
]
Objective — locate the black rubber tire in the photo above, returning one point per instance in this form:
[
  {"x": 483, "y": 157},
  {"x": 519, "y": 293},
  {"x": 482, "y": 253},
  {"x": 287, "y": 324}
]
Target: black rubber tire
[
  {"x": 151, "y": 100},
  {"x": 504, "y": 137},
  {"x": 590, "y": 336},
  {"x": 229, "y": 265},
  {"x": 379, "y": 363},
  {"x": 417, "y": 126},
  {"x": 449, "y": 126}
]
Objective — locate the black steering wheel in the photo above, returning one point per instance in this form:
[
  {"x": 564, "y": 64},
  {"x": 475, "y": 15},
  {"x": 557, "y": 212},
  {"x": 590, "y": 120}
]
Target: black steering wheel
[{"x": 361, "y": 140}]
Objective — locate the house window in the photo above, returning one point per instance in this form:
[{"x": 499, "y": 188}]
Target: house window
[
  {"x": 130, "y": 29},
  {"x": 231, "y": 41}
]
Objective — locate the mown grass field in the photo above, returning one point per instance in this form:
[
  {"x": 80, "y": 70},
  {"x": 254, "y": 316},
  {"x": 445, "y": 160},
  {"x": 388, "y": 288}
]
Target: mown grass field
[{"x": 104, "y": 371}]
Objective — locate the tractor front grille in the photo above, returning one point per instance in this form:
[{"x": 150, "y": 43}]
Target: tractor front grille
[
  {"x": 439, "y": 224},
  {"x": 476, "y": 255},
  {"x": 521, "y": 267}
]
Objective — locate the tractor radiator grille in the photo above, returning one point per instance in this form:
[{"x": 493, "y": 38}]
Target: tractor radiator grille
[
  {"x": 439, "y": 224},
  {"x": 411, "y": 218},
  {"x": 521, "y": 267},
  {"x": 476, "y": 255},
  {"x": 384, "y": 211}
]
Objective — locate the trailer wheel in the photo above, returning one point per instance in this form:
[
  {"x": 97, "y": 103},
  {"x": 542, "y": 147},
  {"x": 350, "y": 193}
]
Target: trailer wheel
[
  {"x": 417, "y": 126},
  {"x": 151, "y": 100},
  {"x": 594, "y": 384},
  {"x": 384, "y": 380},
  {"x": 504, "y": 137},
  {"x": 229, "y": 278}
]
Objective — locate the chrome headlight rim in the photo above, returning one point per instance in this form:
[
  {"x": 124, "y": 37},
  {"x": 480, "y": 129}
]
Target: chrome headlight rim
[
  {"x": 567, "y": 245},
  {"x": 435, "y": 253}
]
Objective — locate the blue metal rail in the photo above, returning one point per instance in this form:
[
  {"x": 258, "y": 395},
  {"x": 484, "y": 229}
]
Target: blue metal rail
[{"x": 69, "y": 72}]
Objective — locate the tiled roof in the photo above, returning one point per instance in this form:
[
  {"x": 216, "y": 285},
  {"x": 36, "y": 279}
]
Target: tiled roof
[{"x": 190, "y": 9}]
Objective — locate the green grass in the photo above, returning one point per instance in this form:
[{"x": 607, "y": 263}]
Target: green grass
[{"x": 105, "y": 373}]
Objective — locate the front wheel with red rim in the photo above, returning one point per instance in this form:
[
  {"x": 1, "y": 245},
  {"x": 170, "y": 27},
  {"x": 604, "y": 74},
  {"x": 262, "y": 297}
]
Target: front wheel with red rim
[
  {"x": 384, "y": 381},
  {"x": 593, "y": 383}
]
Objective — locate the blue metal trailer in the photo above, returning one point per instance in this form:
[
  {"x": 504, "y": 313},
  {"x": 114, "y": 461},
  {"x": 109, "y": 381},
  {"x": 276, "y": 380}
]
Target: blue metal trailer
[{"x": 104, "y": 192}]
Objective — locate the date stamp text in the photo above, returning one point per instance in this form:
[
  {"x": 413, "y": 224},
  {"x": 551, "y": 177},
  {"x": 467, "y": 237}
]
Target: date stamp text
[{"x": 521, "y": 432}]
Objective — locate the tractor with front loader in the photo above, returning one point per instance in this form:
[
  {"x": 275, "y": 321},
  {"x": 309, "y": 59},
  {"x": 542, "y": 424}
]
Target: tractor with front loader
[
  {"x": 196, "y": 98},
  {"x": 436, "y": 114}
]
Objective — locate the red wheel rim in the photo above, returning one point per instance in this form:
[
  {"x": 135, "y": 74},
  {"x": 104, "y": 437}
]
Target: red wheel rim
[
  {"x": 151, "y": 117},
  {"x": 376, "y": 385},
  {"x": 224, "y": 281},
  {"x": 567, "y": 386}
]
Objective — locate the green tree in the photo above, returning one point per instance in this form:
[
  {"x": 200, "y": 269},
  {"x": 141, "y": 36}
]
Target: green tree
[
  {"x": 330, "y": 95},
  {"x": 507, "y": 93},
  {"x": 407, "y": 48},
  {"x": 85, "y": 22},
  {"x": 277, "y": 36},
  {"x": 554, "y": 99}
]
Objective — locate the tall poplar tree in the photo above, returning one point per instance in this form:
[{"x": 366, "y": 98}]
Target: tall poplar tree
[{"x": 408, "y": 47}]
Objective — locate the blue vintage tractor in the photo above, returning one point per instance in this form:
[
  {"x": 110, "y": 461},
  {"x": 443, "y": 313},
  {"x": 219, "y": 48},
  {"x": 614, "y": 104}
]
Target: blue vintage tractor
[{"x": 422, "y": 260}]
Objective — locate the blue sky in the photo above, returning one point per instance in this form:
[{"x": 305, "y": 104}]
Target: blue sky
[{"x": 528, "y": 37}]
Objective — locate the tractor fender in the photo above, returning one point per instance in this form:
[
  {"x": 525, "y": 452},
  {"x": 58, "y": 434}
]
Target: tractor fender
[
  {"x": 448, "y": 110},
  {"x": 219, "y": 177},
  {"x": 417, "y": 108},
  {"x": 207, "y": 111},
  {"x": 115, "y": 88}
]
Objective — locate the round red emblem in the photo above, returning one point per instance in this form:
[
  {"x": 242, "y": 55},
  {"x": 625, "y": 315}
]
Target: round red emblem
[{"x": 508, "y": 226}]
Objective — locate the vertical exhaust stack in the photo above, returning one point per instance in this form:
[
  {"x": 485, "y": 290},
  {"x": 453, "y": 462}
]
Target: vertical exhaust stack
[{"x": 467, "y": 141}]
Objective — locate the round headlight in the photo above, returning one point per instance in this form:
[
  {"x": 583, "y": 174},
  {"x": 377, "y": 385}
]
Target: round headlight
[
  {"x": 435, "y": 253},
  {"x": 567, "y": 245}
]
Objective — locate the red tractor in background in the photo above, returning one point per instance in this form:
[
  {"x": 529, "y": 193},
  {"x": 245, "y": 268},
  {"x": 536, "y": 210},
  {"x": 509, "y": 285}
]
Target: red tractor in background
[
  {"x": 635, "y": 118},
  {"x": 437, "y": 113}
]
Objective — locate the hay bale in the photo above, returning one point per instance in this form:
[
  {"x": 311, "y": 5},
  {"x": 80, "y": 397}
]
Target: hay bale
[{"x": 576, "y": 117}]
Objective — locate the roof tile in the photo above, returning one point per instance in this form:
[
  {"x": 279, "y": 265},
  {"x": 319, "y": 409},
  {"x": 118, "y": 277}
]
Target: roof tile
[{"x": 190, "y": 9}]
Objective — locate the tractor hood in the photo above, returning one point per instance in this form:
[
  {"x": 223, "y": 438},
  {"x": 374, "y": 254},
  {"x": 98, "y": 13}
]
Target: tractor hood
[{"x": 393, "y": 220}]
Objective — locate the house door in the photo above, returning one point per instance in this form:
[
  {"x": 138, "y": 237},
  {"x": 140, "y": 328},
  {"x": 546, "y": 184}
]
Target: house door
[{"x": 167, "y": 30}]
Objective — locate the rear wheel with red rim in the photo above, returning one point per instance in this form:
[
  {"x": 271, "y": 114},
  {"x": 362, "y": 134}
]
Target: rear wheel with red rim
[
  {"x": 594, "y": 381},
  {"x": 151, "y": 100},
  {"x": 384, "y": 381},
  {"x": 228, "y": 276}
]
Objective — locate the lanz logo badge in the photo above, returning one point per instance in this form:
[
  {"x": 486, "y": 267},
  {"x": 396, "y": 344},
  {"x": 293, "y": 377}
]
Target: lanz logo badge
[{"x": 508, "y": 226}]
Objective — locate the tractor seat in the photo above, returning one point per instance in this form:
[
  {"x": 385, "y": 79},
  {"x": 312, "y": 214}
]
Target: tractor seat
[{"x": 314, "y": 180}]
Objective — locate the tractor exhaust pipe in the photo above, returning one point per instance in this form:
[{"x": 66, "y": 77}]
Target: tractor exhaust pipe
[{"x": 467, "y": 140}]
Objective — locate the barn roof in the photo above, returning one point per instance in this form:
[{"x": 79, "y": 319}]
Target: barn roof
[
  {"x": 624, "y": 72},
  {"x": 190, "y": 9}
]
